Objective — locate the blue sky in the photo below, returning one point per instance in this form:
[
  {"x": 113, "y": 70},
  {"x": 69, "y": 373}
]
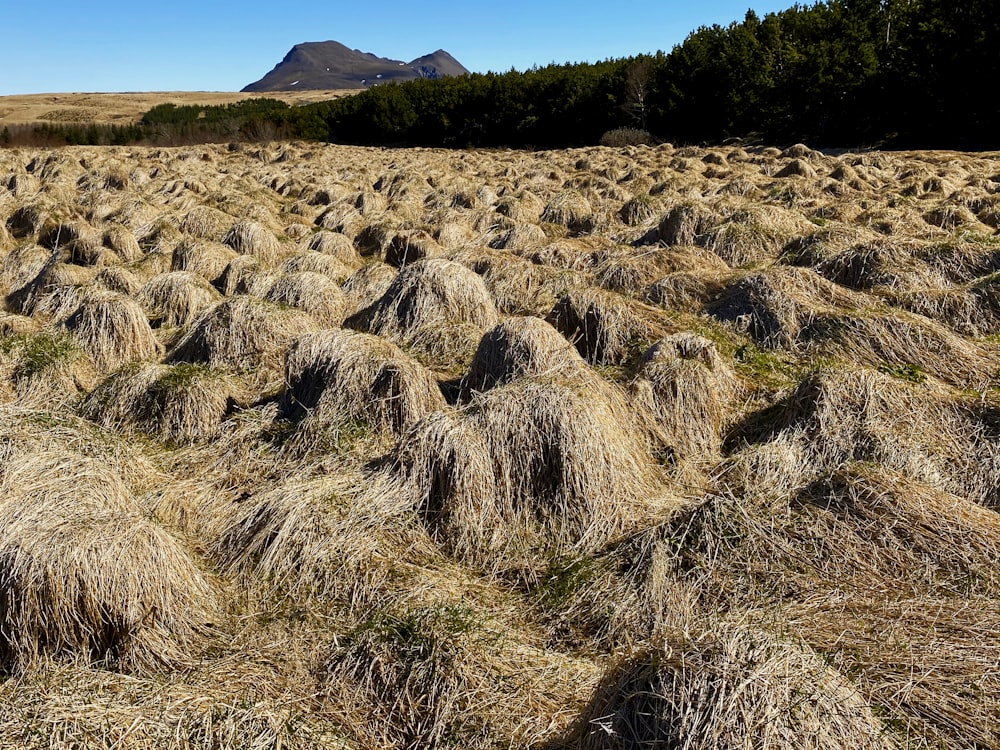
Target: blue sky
[{"x": 63, "y": 46}]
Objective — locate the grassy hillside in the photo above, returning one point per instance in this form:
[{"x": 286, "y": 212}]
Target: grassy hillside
[{"x": 314, "y": 446}]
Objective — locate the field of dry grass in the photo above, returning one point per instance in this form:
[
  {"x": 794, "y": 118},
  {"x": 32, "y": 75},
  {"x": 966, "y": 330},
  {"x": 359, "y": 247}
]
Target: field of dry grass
[
  {"x": 311, "y": 446},
  {"x": 129, "y": 107}
]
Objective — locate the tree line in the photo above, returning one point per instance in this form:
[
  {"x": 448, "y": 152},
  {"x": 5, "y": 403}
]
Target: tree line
[
  {"x": 851, "y": 73},
  {"x": 891, "y": 73}
]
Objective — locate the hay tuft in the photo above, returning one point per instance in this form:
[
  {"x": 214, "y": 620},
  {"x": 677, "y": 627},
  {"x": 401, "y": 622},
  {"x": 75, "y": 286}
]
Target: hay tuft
[{"x": 715, "y": 692}]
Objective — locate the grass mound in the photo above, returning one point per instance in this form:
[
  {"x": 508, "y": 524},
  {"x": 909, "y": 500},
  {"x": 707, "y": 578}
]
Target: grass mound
[
  {"x": 85, "y": 576},
  {"x": 339, "y": 381},
  {"x": 441, "y": 672},
  {"x": 113, "y": 330},
  {"x": 719, "y": 690},
  {"x": 775, "y": 305},
  {"x": 311, "y": 292},
  {"x": 179, "y": 403},
  {"x": 532, "y": 469},
  {"x": 521, "y": 347},
  {"x": 251, "y": 238},
  {"x": 435, "y": 306},
  {"x": 606, "y": 328},
  {"x": 688, "y": 387},
  {"x": 242, "y": 334},
  {"x": 45, "y": 368},
  {"x": 176, "y": 298}
]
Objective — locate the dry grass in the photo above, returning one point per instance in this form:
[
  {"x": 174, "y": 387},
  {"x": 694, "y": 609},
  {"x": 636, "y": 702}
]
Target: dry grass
[
  {"x": 342, "y": 382},
  {"x": 720, "y": 690},
  {"x": 85, "y": 576},
  {"x": 459, "y": 433}
]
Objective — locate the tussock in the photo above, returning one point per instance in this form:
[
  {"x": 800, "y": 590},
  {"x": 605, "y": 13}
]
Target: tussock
[
  {"x": 207, "y": 259},
  {"x": 333, "y": 538},
  {"x": 328, "y": 265},
  {"x": 367, "y": 285},
  {"x": 915, "y": 659},
  {"x": 437, "y": 306},
  {"x": 442, "y": 672},
  {"x": 912, "y": 428},
  {"x": 519, "y": 237},
  {"x": 606, "y": 328},
  {"x": 206, "y": 223},
  {"x": 749, "y": 236},
  {"x": 530, "y": 470},
  {"x": 774, "y": 306},
  {"x": 571, "y": 210},
  {"x": 315, "y": 293},
  {"x": 520, "y": 287},
  {"x": 45, "y": 369},
  {"x": 341, "y": 381},
  {"x": 684, "y": 382},
  {"x": 239, "y": 275},
  {"x": 686, "y": 224},
  {"x": 684, "y": 291},
  {"x": 334, "y": 244},
  {"x": 180, "y": 403},
  {"x": 120, "y": 280},
  {"x": 522, "y": 347},
  {"x": 85, "y": 576},
  {"x": 244, "y": 334},
  {"x": 718, "y": 690},
  {"x": 404, "y": 249},
  {"x": 251, "y": 238},
  {"x": 112, "y": 330},
  {"x": 176, "y": 298},
  {"x": 904, "y": 340}
]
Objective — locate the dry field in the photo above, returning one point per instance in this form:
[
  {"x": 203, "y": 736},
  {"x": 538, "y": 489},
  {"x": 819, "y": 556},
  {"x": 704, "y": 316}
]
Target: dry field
[
  {"x": 311, "y": 446},
  {"x": 127, "y": 108}
]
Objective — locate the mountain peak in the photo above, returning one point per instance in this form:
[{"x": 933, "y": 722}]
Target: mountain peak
[{"x": 332, "y": 65}]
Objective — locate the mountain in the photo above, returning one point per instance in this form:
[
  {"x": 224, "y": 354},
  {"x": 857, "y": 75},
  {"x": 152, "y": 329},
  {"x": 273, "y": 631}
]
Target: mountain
[{"x": 331, "y": 65}]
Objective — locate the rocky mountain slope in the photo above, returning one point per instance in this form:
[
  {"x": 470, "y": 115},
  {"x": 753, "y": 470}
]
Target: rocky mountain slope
[{"x": 331, "y": 65}]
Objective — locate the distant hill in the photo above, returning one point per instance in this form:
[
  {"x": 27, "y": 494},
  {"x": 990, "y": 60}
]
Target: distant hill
[{"x": 331, "y": 65}]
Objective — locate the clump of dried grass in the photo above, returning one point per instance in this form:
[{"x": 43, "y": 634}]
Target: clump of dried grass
[
  {"x": 112, "y": 330},
  {"x": 206, "y": 223},
  {"x": 521, "y": 347},
  {"x": 688, "y": 387},
  {"x": 409, "y": 247},
  {"x": 252, "y": 238},
  {"x": 755, "y": 234},
  {"x": 334, "y": 244},
  {"x": 519, "y": 287},
  {"x": 904, "y": 340},
  {"x": 774, "y": 306},
  {"x": 243, "y": 334},
  {"x": 328, "y": 265},
  {"x": 720, "y": 689},
  {"x": 572, "y": 210},
  {"x": 367, "y": 285},
  {"x": 176, "y": 298},
  {"x": 532, "y": 469},
  {"x": 312, "y": 292},
  {"x": 179, "y": 404},
  {"x": 333, "y": 538},
  {"x": 436, "y": 306},
  {"x": 341, "y": 381},
  {"x": 45, "y": 369},
  {"x": 443, "y": 672},
  {"x": 207, "y": 259},
  {"x": 119, "y": 280},
  {"x": 686, "y": 224},
  {"x": 85, "y": 576},
  {"x": 606, "y": 328}
]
